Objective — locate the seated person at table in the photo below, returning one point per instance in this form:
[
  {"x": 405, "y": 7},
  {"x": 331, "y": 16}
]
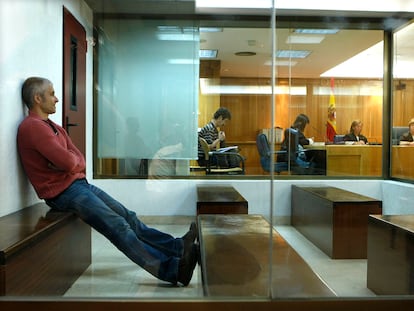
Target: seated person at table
[
  {"x": 302, "y": 158},
  {"x": 217, "y": 139},
  {"x": 354, "y": 134},
  {"x": 408, "y": 138}
]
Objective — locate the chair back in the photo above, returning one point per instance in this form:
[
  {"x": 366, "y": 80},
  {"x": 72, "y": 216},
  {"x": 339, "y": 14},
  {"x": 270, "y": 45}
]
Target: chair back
[
  {"x": 292, "y": 137},
  {"x": 262, "y": 145},
  {"x": 265, "y": 160},
  {"x": 264, "y": 151},
  {"x": 205, "y": 147},
  {"x": 212, "y": 168}
]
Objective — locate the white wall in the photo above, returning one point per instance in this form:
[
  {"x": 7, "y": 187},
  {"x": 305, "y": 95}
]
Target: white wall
[
  {"x": 178, "y": 197},
  {"x": 31, "y": 44}
]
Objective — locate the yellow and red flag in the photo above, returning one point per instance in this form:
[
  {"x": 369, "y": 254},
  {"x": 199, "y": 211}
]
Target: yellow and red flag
[{"x": 331, "y": 123}]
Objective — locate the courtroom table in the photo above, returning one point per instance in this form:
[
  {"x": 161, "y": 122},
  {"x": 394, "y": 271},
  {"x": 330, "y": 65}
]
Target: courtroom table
[
  {"x": 351, "y": 160},
  {"x": 390, "y": 261},
  {"x": 333, "y": 219},
  {"x": 402, "y": 161},
  {"x": 220, "y": 200},
  {"x": 235, "y": 260}
]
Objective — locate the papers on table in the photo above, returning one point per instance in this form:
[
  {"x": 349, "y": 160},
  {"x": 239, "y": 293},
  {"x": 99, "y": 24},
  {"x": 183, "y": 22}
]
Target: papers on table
[{"x": 230, "y": 148}]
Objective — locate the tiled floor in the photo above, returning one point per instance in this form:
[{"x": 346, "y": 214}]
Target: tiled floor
[{"x": 112, "y": 275}]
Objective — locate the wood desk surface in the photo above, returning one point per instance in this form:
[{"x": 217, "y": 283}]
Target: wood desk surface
[
  {"x": 404, "y": 222},
  {"x": 351, "y": 160},
  {"x": 235, "y": 260},
  {"x": 334, "y": 194},
  {"x": 218, "y": 194},
  {"x": 402, "y": 161}
]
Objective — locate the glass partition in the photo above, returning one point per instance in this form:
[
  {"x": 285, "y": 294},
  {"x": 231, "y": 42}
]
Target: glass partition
[
  {"x": 156, "y": 88},
  {"x": 154, "y": 92},
  {"x": 402, "y": 130}
]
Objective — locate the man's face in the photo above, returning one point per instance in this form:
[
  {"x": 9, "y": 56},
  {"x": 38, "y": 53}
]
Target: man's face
[
  {"x": 47, "y": 101},
  {"x": 221, "y": 122}
]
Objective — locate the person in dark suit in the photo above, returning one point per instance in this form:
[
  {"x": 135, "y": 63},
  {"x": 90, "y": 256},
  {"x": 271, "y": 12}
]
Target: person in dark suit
[
  {"x": 355, "y": 135},
  {"x": 408, "y": 138},
  {"x": 307, "y": 159}
]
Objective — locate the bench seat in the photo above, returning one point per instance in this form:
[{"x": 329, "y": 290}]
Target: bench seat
[
  {"x": 235, "y": 260},
  {"x": 42, "y": 252},
  {"x": 223, "y": 199}
]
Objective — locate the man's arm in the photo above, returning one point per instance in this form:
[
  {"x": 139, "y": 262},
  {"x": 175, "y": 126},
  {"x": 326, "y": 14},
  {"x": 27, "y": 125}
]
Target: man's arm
[{"x": 60, "y": 151}]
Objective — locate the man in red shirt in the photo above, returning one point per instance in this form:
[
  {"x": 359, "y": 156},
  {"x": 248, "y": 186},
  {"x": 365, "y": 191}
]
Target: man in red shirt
[{"x": 56, "y": 169}]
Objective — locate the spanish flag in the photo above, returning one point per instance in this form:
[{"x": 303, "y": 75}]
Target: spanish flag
[{"x": 331, "y": 123}]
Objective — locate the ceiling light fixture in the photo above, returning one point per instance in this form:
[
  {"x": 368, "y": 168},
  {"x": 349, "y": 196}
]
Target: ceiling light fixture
[
  {"x": 310, "y": 31},
  {"x": 304, "y": 39},
  {"x": 211, "y": 29},
  {"x": 292, "y": 53},
  {"x": 207, "y": 53},
  {"x": 281, "y": 63}
]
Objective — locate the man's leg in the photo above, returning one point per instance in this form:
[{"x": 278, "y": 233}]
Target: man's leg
[{"x": 80, "y": 199}]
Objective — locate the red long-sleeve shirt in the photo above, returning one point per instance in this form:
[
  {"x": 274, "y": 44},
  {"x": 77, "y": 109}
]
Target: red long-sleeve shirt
[{"x": 50, "y": 159}]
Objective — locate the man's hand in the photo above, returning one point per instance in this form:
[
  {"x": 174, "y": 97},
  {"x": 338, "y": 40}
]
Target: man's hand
[{"x": 222, "y": 136}]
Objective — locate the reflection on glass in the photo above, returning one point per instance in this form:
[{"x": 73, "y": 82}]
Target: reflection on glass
[
  {"x": 313, "y": 86},
  {"x": 402, "y": 153}
]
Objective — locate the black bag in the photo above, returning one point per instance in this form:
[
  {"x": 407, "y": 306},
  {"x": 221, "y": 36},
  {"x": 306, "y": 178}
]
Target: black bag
[{"x": 228, "y": 159}]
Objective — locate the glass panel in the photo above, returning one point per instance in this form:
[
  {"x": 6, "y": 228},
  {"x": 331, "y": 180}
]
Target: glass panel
[
  {"x": 402, "y": 130},
  {"x": 73, "y": 73},
  {"x": 317, "y": 84},
  {"x": 147, "y": 99}
]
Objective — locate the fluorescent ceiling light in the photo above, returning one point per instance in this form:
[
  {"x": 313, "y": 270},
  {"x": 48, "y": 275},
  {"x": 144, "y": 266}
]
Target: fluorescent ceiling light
[
  {"x": 316, "y": 31},
  {"x": 374, "y": 89},
  {"x": 333, "y": 5},
  {"x": 281, "y": 63},
  {"x": 247, "y": 4},
  {"x": 211, "y": 29},
  {"x": 177, "y": 37},
  {"x": 207, "y": 53},
  {"x": 292, "y": 53},
  {"x": 177, "y": 33},
  {"x": 304, "y": 39},
  {"x": 210, "y": 88},
  {"x": 183, "y": 61}
]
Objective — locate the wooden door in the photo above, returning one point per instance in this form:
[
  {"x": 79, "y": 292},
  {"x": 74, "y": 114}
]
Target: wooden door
[{"x": 74, "y": 81}]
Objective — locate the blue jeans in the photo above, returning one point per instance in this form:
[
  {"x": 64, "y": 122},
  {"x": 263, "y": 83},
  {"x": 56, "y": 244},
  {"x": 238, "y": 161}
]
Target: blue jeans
[{"x": 155, "y": 251}]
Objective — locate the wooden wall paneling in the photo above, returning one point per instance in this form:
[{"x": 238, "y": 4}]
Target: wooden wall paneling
[
  {"x": 403, "y": 109},
  {"x": 373, "y": 122},
  {"x": 252, "y": 112},
  {"x": 208, "y": 103}
]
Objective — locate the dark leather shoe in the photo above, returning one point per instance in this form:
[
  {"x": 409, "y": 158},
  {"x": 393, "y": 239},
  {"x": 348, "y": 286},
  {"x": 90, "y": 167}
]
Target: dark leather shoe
[
  {"x": 189, "y": 238},
  {"x": 192, "y": 234},
  {"x": 187, "y": 265}
]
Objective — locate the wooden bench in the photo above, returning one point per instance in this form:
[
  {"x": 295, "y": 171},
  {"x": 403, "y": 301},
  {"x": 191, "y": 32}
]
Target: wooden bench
[
  {"x": 390, "y": 261},
  {"x": 42, "y": 252},
  {"x": 220, "y": 200},
  {"x": 235, "y": 260},
  {"x": 333, "y": 219}
]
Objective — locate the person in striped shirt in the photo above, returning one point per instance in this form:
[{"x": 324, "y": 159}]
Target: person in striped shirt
[{"x": 210, "y": 132}]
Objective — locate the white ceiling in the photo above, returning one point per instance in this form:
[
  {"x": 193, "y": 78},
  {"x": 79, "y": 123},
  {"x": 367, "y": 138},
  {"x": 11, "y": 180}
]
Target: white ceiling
[
  {"x": 333, "y": 50},
  {"x": 362, "y": 48}
]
